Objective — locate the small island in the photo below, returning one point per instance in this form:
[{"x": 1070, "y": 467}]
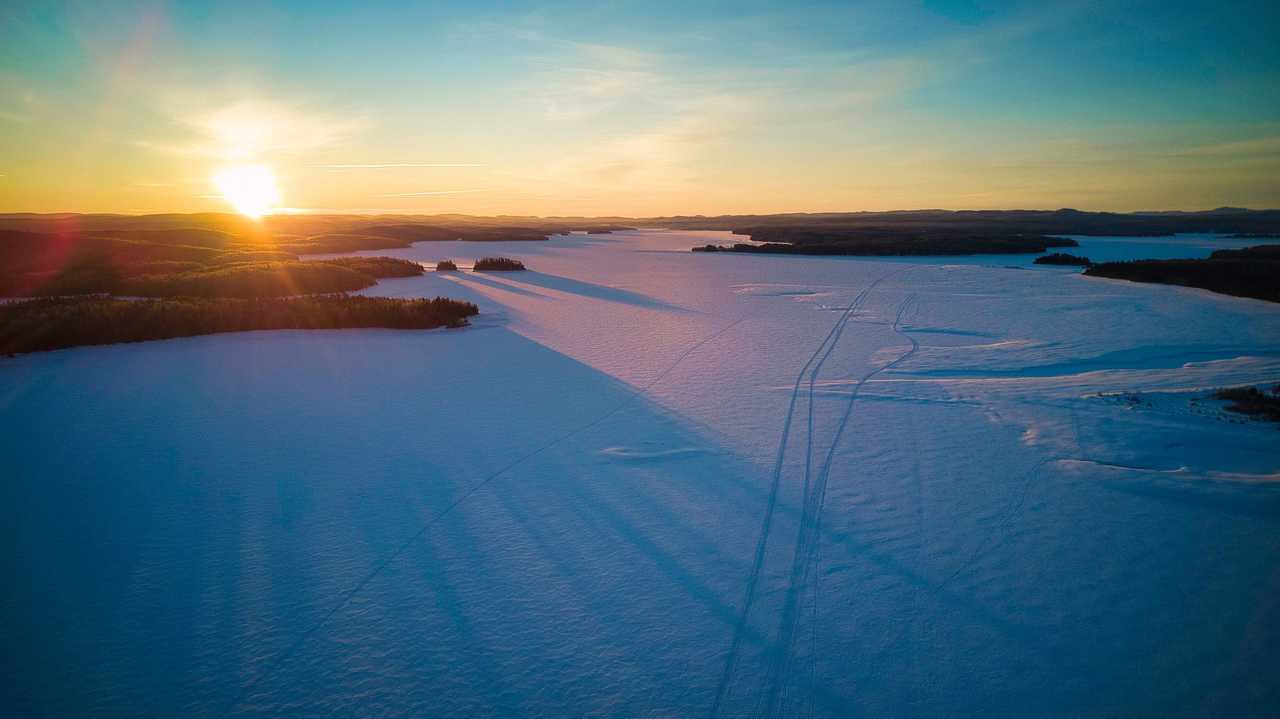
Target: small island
[
  {"x": 498, "y": 264},
  {"x": 446, "y": 266},
  {"x": 1062, "y": 258}
]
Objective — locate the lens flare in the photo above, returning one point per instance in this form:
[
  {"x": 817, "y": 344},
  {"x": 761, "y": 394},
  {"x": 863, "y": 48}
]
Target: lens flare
[{"x": 250, "y": 189}]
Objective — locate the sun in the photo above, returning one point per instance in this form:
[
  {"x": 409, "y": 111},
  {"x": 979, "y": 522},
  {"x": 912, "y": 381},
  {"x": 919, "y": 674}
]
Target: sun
[{"x": 251, "y": 189}]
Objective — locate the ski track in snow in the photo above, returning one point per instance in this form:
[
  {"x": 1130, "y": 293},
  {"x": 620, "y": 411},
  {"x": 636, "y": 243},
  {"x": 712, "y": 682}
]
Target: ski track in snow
[
  {"x": 762, "y": 542},
  {"x": 807, "y": 542},
  {"x": 1016, "y": 495}
]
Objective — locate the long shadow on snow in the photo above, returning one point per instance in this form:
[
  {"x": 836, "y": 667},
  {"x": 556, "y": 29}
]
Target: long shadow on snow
[
  {"x": 485, "y": 280},
  {"x": 589, "y": 289},
  {"x": 637, "y": 540}
]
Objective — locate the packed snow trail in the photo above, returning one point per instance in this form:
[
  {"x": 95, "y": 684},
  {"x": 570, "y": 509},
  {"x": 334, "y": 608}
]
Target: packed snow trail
[
  {"x": 753, "y": 577},
  {"x": 808, "y": 537}
]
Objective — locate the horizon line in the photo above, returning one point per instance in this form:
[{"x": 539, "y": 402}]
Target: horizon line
[{"x": 294, "y": 212}]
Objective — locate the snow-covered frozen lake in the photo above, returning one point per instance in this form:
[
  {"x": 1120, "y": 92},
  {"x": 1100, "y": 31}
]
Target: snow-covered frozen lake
[{"x": 648, "y": 482}]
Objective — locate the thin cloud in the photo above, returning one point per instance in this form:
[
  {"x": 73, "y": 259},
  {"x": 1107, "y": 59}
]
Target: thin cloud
[
  {"x": 429, "y": 193},
  {"x": 250, "y": 129},
  {"x": 1259, "y": 146},
  {"x": 378, "y": 166}
]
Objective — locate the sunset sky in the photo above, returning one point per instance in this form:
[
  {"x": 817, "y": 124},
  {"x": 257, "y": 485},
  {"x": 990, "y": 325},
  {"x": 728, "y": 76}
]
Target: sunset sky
[{"x": 636, "y": 109}]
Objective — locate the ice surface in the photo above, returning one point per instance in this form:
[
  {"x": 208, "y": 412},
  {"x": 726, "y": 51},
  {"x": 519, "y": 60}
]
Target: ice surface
[{"x": 998, "y": 491}]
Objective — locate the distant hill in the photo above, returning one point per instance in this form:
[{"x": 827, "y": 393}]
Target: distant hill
[
  {"x": 32, "y": 243},
  {"x": 984, "y": 222},
  {"x": 946, "y": 232}
]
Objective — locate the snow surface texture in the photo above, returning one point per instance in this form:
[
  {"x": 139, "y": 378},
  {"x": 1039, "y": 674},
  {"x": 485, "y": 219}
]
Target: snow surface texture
[{"x": 649, "y": 482}]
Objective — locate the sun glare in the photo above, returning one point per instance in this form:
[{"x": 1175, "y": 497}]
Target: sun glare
[{"x": 250, "y": 189}]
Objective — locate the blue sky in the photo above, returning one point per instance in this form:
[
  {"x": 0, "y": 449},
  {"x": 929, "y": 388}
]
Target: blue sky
[{"x": 642, "y": 108}]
